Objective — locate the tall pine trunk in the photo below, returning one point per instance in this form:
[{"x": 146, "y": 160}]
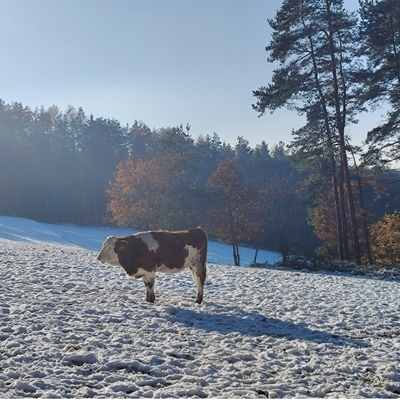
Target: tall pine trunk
[
  {"x": 341, "y": 110},
  {"x": 341, "y": 230},
  {"x": 365, "y": 228}
]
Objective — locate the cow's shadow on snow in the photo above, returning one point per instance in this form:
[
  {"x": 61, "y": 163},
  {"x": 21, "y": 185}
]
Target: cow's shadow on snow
[{"x": 255, "y": 324}]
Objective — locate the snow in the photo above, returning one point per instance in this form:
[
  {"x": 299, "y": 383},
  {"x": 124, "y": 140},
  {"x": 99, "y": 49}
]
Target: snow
[{"x": 72, "y": 327}]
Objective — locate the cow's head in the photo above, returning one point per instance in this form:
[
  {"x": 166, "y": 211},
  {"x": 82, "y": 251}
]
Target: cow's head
[{"x": 109, "y": 252}]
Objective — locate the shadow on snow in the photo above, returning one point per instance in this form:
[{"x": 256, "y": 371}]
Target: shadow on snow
[{"x": 255, "y": 324}]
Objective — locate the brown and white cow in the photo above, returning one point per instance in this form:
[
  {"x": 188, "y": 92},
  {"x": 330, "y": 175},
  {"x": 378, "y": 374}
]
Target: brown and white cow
[{"x": 143, "y": 254}]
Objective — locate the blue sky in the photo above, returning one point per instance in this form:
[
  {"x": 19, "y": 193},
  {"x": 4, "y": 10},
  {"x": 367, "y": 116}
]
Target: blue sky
[{"x": 164, "y": 62}]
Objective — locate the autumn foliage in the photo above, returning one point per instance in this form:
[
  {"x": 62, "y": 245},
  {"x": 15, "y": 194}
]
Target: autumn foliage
[
  {"x": 139, "y": 194},
  {"x": 233, "y": 211},
  {"x": 385, "y": 243}
]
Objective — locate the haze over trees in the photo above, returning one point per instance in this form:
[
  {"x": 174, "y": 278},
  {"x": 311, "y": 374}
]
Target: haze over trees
[{"x": 308, "y": 200}]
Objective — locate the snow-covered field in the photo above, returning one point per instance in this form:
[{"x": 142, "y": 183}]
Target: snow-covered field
[{"x": 71, "y": 327}]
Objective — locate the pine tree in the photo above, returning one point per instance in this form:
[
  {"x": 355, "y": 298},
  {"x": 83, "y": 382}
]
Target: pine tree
[
  {"x": 313, "y": 42},
  {"x": 379, "y": 32}
]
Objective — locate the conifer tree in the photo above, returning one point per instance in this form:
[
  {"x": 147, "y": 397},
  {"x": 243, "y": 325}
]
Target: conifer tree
[
  {"x": 313, "y": 42},
  {"x": 380, "y": 36}
]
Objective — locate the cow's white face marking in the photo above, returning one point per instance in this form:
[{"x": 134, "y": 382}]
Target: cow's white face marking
[
  {"x": 107, "y": 254},
  {"x": 148, "y": 238}
]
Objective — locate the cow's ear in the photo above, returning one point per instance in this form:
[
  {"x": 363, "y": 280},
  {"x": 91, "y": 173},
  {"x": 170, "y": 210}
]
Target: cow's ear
[{"x": 120, "y": 245}]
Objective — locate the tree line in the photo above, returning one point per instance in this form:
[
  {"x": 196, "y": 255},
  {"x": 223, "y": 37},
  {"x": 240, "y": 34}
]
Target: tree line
[
  {"x": 55, "y": 166},
  {"x": 72, "y": 168},
  {"x": 69, "y": 167}
]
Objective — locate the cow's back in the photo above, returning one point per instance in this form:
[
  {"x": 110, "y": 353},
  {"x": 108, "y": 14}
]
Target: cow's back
[{"x": 174, "y": 246}]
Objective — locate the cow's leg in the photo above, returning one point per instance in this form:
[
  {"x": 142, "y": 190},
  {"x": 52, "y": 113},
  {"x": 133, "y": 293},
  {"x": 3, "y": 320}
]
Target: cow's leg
[
  {"x": 149, "y": 281},
  {"x": 199, "y": 275}
]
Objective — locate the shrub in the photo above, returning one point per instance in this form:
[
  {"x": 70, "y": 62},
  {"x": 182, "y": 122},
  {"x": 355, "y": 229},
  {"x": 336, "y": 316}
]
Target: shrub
[{"x": 385, "y": 240}]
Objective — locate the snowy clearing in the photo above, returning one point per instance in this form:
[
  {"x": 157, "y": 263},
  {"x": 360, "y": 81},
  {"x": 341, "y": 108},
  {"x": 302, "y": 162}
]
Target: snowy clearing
[{"x": 71, "y": 327}]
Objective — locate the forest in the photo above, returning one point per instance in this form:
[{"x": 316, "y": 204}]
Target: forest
[{"x": 317, "y": 198}]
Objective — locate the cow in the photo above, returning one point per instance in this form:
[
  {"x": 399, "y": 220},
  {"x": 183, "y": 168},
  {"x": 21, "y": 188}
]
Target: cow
[{"x": 143, "y": 254}]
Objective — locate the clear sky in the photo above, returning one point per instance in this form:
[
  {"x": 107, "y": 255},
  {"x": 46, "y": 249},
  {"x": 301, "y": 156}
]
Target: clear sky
[{"x": 164, "y": 62}]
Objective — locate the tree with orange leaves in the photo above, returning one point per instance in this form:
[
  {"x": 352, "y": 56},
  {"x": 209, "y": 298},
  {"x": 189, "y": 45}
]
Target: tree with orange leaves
[
  {"x": 139, "y": 195},
  {"x": 233, "y": 209},
  {"x": 386, "y": 240}
]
